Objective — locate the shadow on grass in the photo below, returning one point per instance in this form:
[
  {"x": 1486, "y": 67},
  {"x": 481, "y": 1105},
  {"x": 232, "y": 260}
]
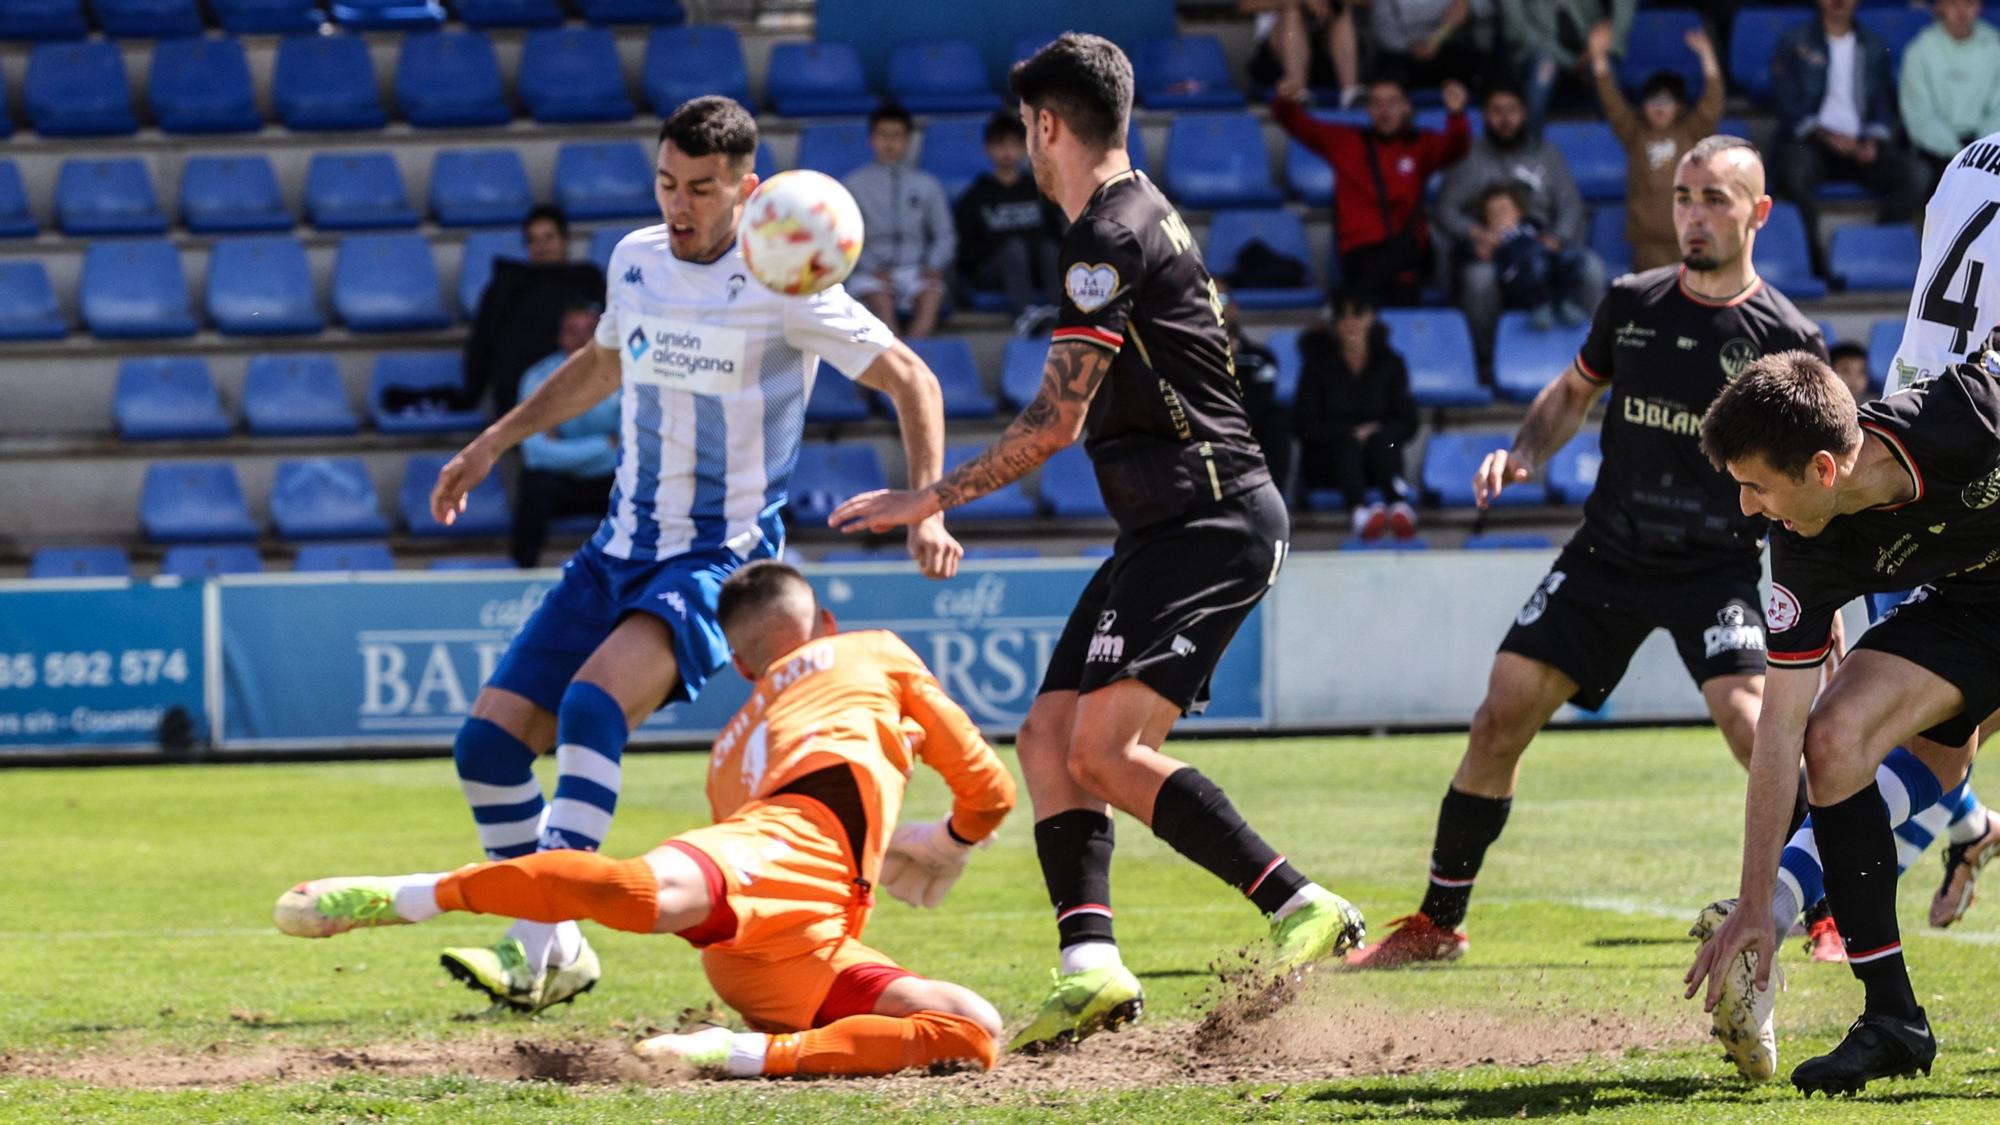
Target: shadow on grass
[{"x": 1535, "y": 1099}]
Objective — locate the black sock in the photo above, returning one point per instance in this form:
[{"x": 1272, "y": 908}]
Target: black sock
[
  {"x": 1798, "y": 808},
  {"x": 1858, "y": 853},
  {"x": 1196, "y": 819},
  {"x": 1467, "y": 825},
  {"x": 1075, "y": 850}
]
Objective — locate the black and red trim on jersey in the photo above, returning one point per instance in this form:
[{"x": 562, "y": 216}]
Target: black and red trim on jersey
[
  {"x": 1590, "y": 376},
  {"x": 1088, "y": 335},
  {"x": 1901, "y": 453},
  {"x": 1811, "y": 659}
]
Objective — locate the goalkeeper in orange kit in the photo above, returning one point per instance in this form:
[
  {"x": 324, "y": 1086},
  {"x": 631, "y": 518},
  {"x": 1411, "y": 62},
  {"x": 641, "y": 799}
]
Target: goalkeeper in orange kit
[{"x": 805, "y": 784}]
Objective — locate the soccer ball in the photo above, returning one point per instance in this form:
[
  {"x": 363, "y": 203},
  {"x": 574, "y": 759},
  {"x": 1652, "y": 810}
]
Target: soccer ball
[{"x": 801, "y": 233}]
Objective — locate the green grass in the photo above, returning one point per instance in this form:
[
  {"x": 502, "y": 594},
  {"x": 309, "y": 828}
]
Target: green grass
[{"x": 134, "y": 922}]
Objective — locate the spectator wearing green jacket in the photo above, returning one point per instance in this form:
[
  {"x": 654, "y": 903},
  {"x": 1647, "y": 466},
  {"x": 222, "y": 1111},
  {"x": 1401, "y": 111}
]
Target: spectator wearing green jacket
[{"x": 1950, "y": 90}]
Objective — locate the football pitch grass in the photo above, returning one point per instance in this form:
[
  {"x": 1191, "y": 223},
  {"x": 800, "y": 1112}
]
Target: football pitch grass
[{"x": 145, "y": 983}]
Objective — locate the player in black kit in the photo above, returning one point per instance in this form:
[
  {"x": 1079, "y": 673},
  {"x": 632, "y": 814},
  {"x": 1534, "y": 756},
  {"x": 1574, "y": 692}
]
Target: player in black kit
[
  {"x": 1663, "y": 544},
  {"x": 1902, "y": 492},
  {"x": 1140, "y": 366}
]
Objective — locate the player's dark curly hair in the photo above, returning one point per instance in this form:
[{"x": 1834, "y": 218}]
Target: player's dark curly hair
[
  {"x": 712, "y": 124},
  {"x": 1786, "y": 407},
  {"x": 754, "y": 586},
  {"x": 1085, "y": 80}
]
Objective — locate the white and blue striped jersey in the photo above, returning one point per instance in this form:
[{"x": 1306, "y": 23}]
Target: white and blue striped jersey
[
  {"x": 717, "y": 371},
  {"x": 1957, "y": 299}
]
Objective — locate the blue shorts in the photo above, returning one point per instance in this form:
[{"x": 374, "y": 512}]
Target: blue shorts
[{"x": 596, "y": 593}]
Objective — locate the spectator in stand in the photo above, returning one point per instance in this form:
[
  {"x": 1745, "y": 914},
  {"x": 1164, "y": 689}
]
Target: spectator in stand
[
  {"x": 1951, "y": 85},
  {"x": 1312, "y": 40},
  {"x": 1257, "y": 374},
  {"x": 1355, "y": 415},
  {"x": 1008, "y": 231},
  {"x": 1379, "y": 175},
  {"x": 1837, "y": 120},
  {"x": 1550, "y": 40},
  {"x": 1655, "y": 138},
  {"x": 1426, "y": 42},
  {"x": 522, "y": 309},
  {"x": 1850, "y": 362},
  {"x": 1532, "y": 273},
  {"x": 910, "y": 243},
  {"x": 566, "y": 471},
  {"x": 1511, "y": 153}
]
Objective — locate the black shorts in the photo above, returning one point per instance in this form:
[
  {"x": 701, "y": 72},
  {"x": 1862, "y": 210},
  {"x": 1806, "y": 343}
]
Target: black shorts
[
  {"x": 1164, "y": 606},
  {"x": 1588, "y": 617},
  {"x": 1956, "y": 641}
]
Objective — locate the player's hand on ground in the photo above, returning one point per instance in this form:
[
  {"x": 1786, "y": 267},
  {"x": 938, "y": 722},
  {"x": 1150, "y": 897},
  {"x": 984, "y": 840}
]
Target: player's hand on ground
[
  {"x": 456, "y": 481},
  {"x": 935, "y": 550},
  {"x": 883, "y": 510},
  {"x": 1746, "y": 928},
  {"x": 922, "y": 862},
  {"x": 1500, "y": 469}
]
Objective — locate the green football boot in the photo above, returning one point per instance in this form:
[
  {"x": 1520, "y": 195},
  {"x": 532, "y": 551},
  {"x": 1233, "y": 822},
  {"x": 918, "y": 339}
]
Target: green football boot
[
  {"x": 1324, "y": 928},
  {"x": 325, "y": 907},
  {"x": 1080, "y": 1005},
  {"x": 502, "y": 971}
]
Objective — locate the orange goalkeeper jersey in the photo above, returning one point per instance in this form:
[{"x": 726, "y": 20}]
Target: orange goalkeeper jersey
[{"x": 863, "y": 699}]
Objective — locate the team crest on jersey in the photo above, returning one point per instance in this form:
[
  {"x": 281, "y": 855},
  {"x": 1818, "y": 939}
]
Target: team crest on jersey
[
  {"x": 1090, "y": 287},
  {"x": 637, "y": 343},
  {"x": 1781, "y": 609},
  {"x": 1982, "y": 493},
  {"x": 736, "y": 283},
  {"x": 1737, "y": 354}
]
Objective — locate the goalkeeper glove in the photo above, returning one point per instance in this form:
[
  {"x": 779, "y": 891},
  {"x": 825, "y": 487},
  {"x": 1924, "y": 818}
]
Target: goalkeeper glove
[{"x": 922, "y": 862}]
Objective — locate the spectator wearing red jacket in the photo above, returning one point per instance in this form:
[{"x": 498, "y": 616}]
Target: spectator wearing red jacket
[{"x": 1378, "y": 175}]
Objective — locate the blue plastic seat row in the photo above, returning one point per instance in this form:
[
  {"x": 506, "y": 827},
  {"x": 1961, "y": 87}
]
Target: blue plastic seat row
[
  {"x": 312, "y": 498},
  {"x": 194, "y": 561},
  {"x": 160, "y": 19},
  {"x": 1451, "y": 459},
  {"x": 828, "y": 474},
  {"x": 284, "y": 395}
]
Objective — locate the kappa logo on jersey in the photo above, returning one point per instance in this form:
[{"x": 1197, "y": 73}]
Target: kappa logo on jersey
[
  {"x": 1736, "y": 355},
  {"x": 635, "y": 276},
  {"x": 675, "y": 602},
  {"x": 1538, "y": 602},
  {"x": 1090, "y": 287},
  {"x": 1982, "y": 493},
  {"x": 1781, "y": 609},
  {"x": 1732, "y": 632}
]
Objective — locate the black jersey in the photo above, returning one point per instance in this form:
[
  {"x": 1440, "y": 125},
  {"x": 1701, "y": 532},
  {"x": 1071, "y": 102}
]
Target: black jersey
[
  {"x": 1659, "y": 506},
  {"x": 1167, "y": 430},
  {"x": 1945, "y": 433}
]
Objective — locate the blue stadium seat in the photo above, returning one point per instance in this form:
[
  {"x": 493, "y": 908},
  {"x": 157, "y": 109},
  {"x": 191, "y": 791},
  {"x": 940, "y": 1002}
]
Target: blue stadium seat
[
  {"x": 80, "y": 562},
  {"x": 1284, "y": 343},
  {"x": 1897, "y": 26},
  {"x": 296, "y": 395},
  {"x": 167, "y": 399},
  {"x": 28, "y": 309},
  {"x": 1607, "y": 240},
  {"x": 16, "y": 221},
  {"x": 687, "y": 62},
  {"x": 486, "y": 511},
  {"x": 509, "y": 13},
  {"x": 419, "y": 371},
  {"x": 1573, "y": 470},
  {"x": 1782, "y": 256},
  {"x": 231, "y": 193},
  {"x": 194, "y": 562},
  {"x": 202, "y": 86},
  {"x": 1307, "y": 176},
  {"x": 1276, "y": 228},
  {"x": 1438, "y": 348},
  {"x": 836, "y": 399},
  {"x": 1021, "y": 371},
  {"x": 1595, "y": 158},
  {"x": 1826, "y": 333},
  {"x": 42, "y": 19},
  {"x": 632, "y": 11},
  {"x": 954, "y": 151},
  {"x": 1356, "y": 543},
  {"x": 826, "y": 475},
  {"x": 134, "y": 290},
  {"x": 1217, "y": 160},
  {"x": 1009, "y": 503},
  {"x": 448, "y": 79},
  {"x": 261, "y": 285},
  {"x": 605, "y": 240},
  {"x": 387, "y": 283},
  {"x": 326, "y": 82},
  {"x": 1508, "y": 541},
  {"x": 78, "y": 90},
  {"x": 941, "y": 76},
  {"x": 834, "y": 147},
  {"x": 194, "y": 502},
  {"x": 357, "y": 191},
  {"x": 112, "y": 196},
  {"x": 323, "y": 558},
  {"x": 387, "y": 15},
  {"x": 475, "y": 264},
  {"x": 1524, "y": 360},
  {"x": 267, "y": 17},
  {"x": 1753, "y": 39},
  {"x": 950, "y": 357},
  {"x": 325, "y": 498},
  {"x": 572, "y": 74},
  {"x": 479, "y": 187},
  {"x": 1876, "y": 258},
  {"x": 607, "y": 180},
  {"x": 1452, "y": 457},
  {"x": 1184, "y": 72},
  {"x": 1069, "y": 486},
  {"x": 817, "y": 79},
  {"x": 1884, "y": 337},
  {"x": 1658, "y": 42}
]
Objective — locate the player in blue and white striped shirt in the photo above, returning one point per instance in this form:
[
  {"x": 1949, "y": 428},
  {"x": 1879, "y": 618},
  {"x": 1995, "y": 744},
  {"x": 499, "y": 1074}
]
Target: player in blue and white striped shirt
[{"x": 713, "y": 372}]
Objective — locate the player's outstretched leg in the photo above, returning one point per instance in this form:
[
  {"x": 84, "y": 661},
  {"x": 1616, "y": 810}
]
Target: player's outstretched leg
[{"x": 950, "y": 1024}]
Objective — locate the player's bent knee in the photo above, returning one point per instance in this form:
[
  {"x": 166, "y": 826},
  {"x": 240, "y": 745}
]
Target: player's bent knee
[
  {"x": 1835, "y": 765},
  {"x": 684, "y": 896},
  {"x": 911, "y": 995}
]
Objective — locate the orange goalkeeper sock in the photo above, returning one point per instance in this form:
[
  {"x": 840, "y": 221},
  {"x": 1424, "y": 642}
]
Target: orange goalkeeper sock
[
  {"x": 868, "y": 1045},
  {"x": 557, "y": 886}
]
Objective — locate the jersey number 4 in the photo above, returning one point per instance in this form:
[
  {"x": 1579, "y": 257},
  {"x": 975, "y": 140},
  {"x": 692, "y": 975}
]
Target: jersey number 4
[{"x": 1961, "y": 315}]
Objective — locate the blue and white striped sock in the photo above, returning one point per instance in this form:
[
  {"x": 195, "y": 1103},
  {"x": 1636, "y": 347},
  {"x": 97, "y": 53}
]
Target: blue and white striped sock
[
  {"x": 1917, "y": 833},
  {"x": 1968, "y": 816},
  {"x": 590, "y": 744},
  {"x": 1909, "y": 789},
  {"x": 496, "y": 771}
]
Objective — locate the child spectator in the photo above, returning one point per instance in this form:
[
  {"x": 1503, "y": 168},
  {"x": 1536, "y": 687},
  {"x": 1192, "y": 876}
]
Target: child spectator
[
  {"x": 1532, "y": 273},
  {"x": 1008, "y": 232},
  {"x": 911, "y": 242}
]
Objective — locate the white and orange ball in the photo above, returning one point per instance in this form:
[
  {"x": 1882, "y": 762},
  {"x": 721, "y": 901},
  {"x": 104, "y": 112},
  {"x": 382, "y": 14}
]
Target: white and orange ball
[{"x": 800, "y": 233}]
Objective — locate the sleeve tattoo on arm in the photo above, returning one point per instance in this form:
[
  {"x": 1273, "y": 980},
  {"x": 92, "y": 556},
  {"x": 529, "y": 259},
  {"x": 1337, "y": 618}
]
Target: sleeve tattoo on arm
[{"x": 1049, "y": 422}]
